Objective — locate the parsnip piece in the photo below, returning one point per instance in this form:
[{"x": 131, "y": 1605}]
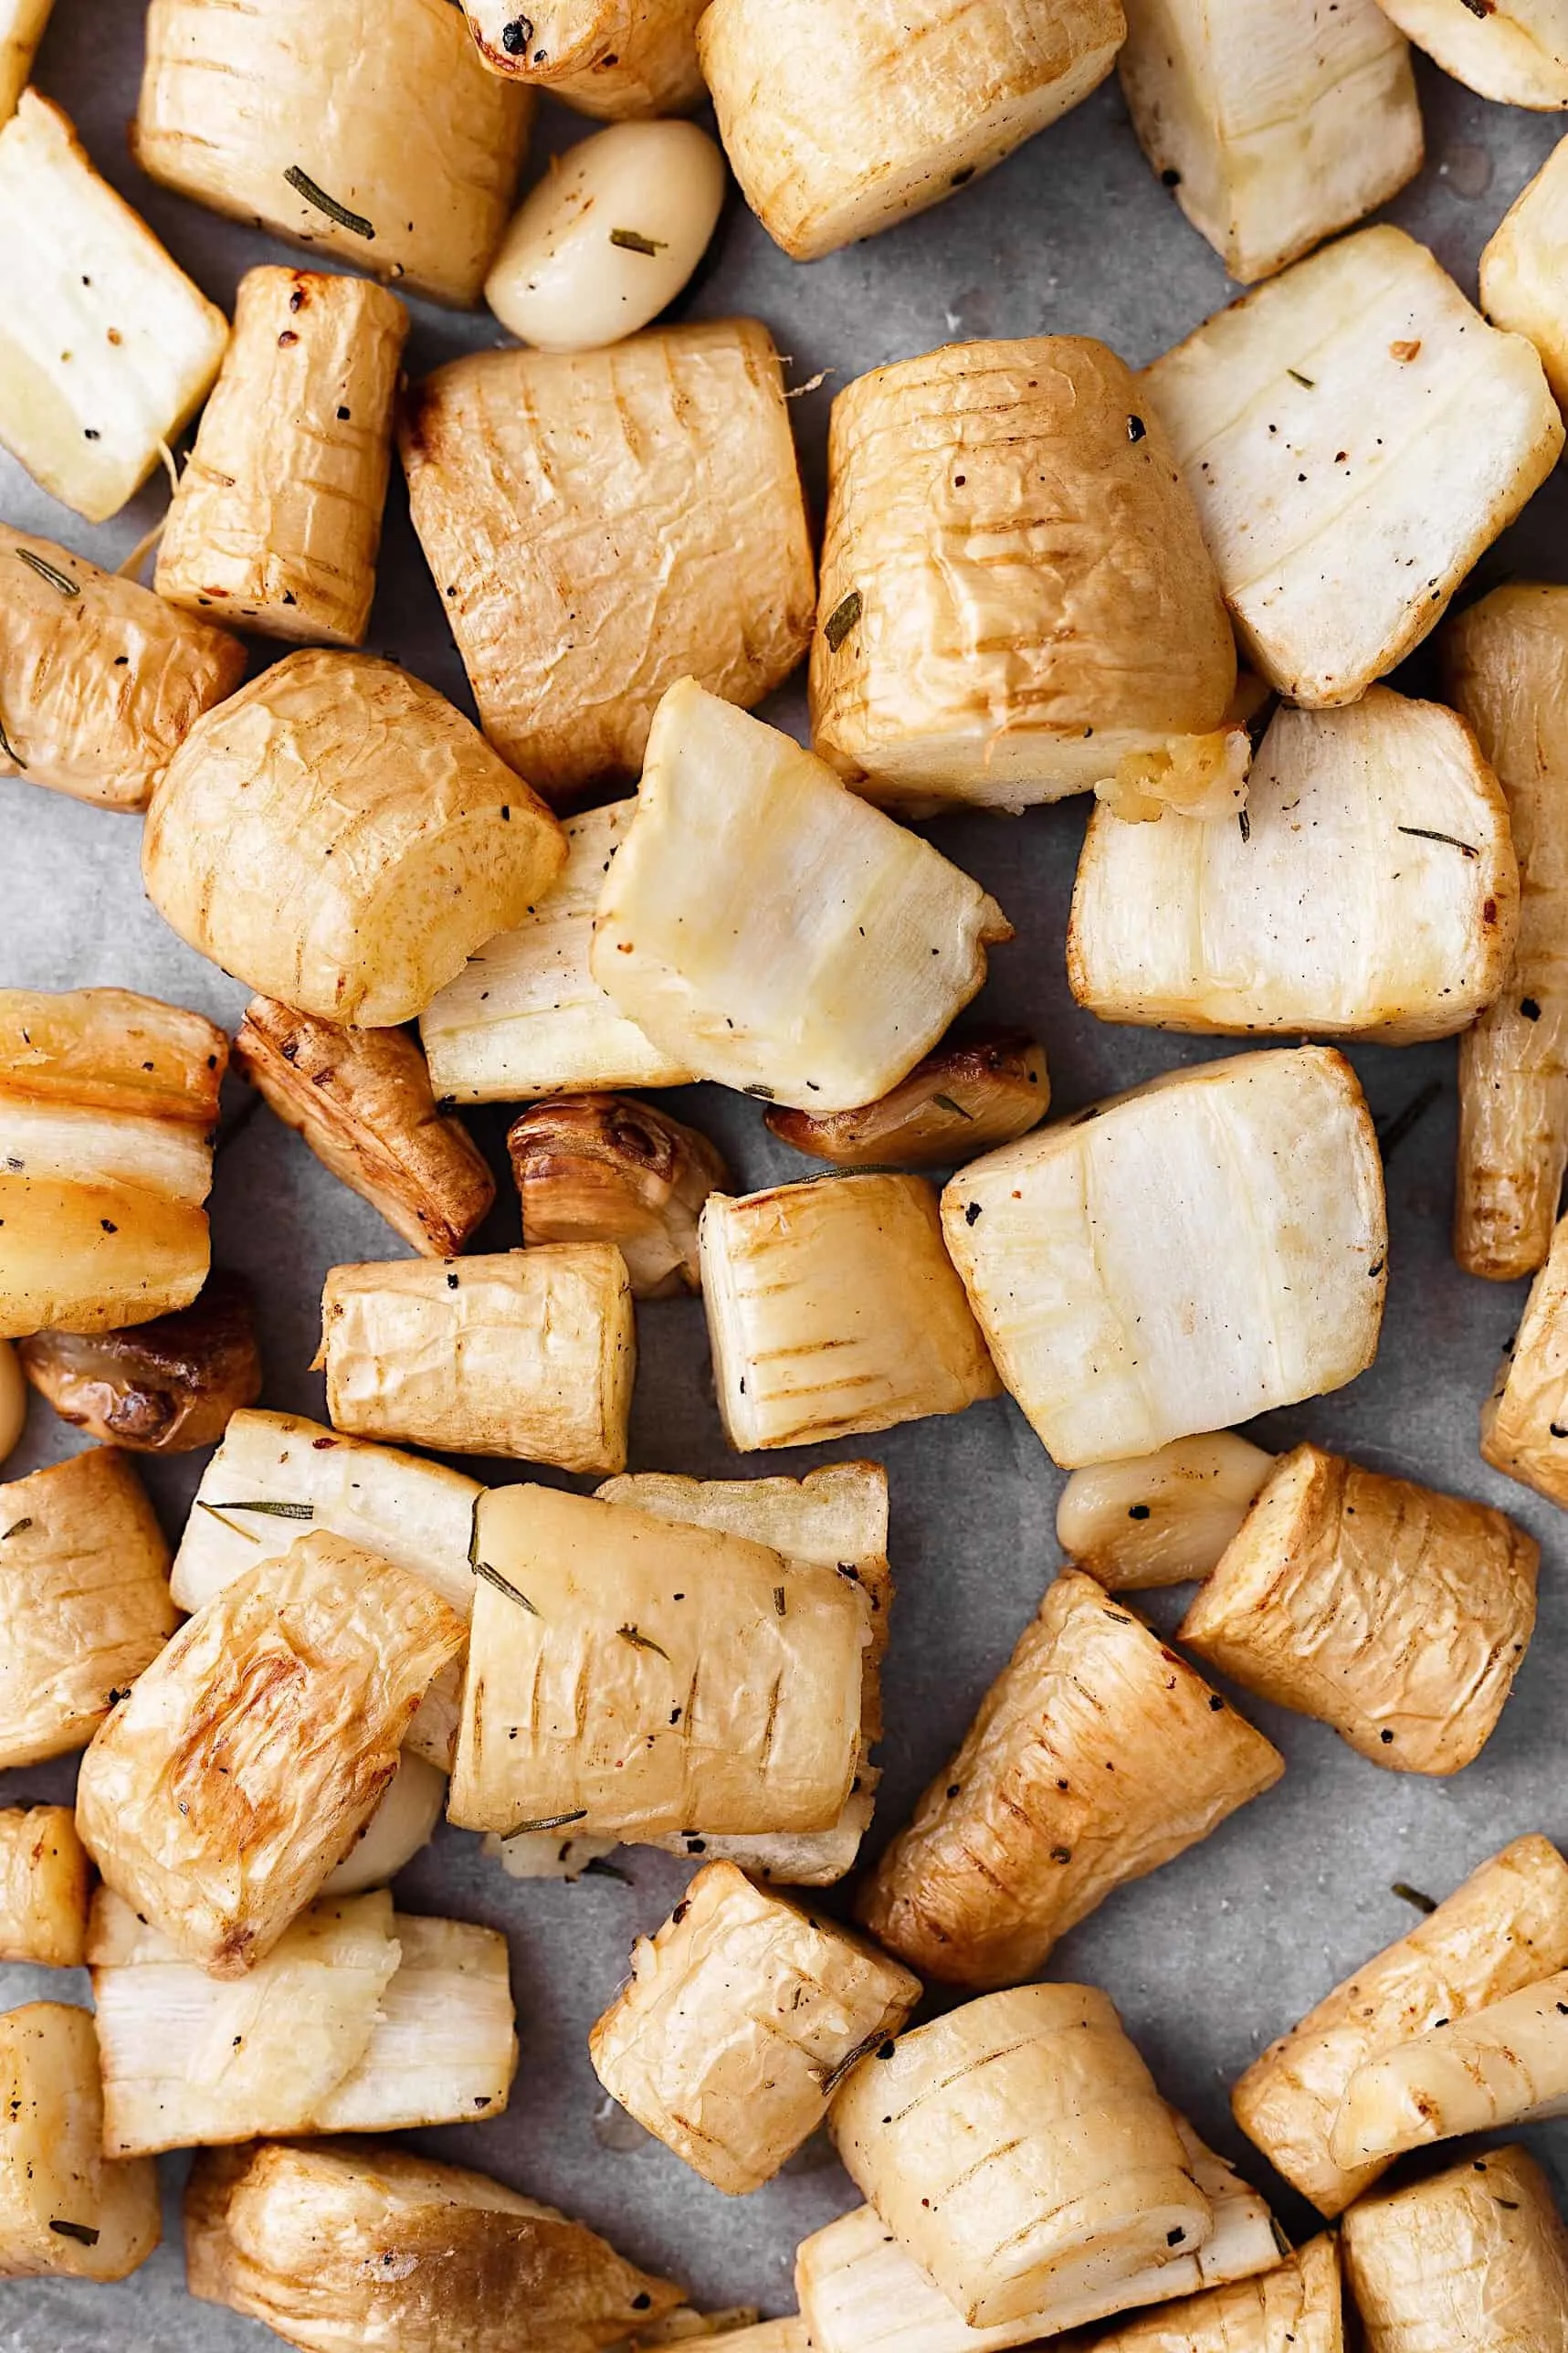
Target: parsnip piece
[
  {"x": 1524, "y": 1422},
  {"x": 1027, "y": 1830},
  {"x": 1161, "y": 1518},
  {"x": 12, "y": 1401},
  {"x": 108, "y": 1103},
  {"x": 1017, "y": 2149},
  {"x": 629, "y": 1678},
  {"x": 603, "y": 1168},
  {"x": 528, "y": 1354},
  {"x": 1015, "y": 599},
  {"x": 1505, "y": 1927},
  {"x": 548, "y": 1855},
  {"x": 160, "y": 1388},
  {"x": 958, "y": 1102},
  {"x": 402, "y": 1822},
  {"x": 1298, "y": 2303},
  {"x": 444, "y": 2047},
  {"x": 1272, "y": 126},
  {"x": 389, "y": 148},
  {"x": 22, "y": 26},
  {"x": 243, "y": 1764},
  {"x": 1516, "y": 53},
  {"x": 1475, "y": 2257},
  {"x": 107, "y": 347},
  {"x": 1523, "y": 268},
  {"x": 44, "y": 1881},
  {"x": 339, "y": 835},
  {"x": 773, "y": 929},
  {"x": 1417, "y": 433},
  {"x": 1260, "y": 1282},
  {"x": 277, "y": 519},
  {"x": 833, "y": 138},
  {"x": 1502, "y": 2066},
  {"x": 601, "y": 523},
  {"x": 615, "y": 57},
  {"x": 1375, "y": 889},
  {"x": 64, "y": 2208},
  {"x": 785, "y": 2336},
  {"x": 1398, "y": 1615},
  {"x": 363, "y": 1101},
  {"x": 84, "y": 1591},
  {"x": 1506, "y": 660}
]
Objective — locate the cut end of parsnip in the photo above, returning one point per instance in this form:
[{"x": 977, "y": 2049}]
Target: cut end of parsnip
[
  {"x": 1516, "y": 54},
  {"x": 1475, "y": 2256},
  {"x": 1525, "y": 265},
  {"x": 65, "y": 2207}
]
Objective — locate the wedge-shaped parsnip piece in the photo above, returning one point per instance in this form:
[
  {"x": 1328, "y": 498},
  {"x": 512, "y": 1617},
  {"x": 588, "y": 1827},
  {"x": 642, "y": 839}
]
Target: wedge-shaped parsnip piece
[
  {"x": 741, "y": 2019},
  {"x": 528, "y": 1354},
  {"x": 1475, "y": 2257},
  {"x": 402, "y": 1823},
  {"x": 1398, "y": 1615},
  {"x": 603, "y": 1168},
  {"x": 1516, "y": 52},
  {"x": 63, "y": 2207},
  {"x": 1260, "y": 1282},
  {"x": 22, "y": 24},
  {"x": 1297, "y": 2303},
  {"x": 84, "y": 1589},
  {"x": 1524, "y": 265},
  {"x": 245, "y": 1762},
  {"x": 1161, "y": 1518},
  {"x": 108, "y": 1104},
  {"x": 1524, "y": 1422},
  {"x": 1505, "y": 661},
  {"x": 1502, "y": 2066},
  {"x": 44, "y": 1881},
  {"x": 160, "y": 1388},
  {"x": 614, "y": 58},
  {"x": 392, "y": 149},
  {"x": 961, "y": 1100},
  {"x": 1356, "y": 401},
  {"x": 363, "y": 1101},
  {"x": 630, "y": 1677},
  {"x": 277, "y": 519},
  {"x": 107, "y": 347},
  {"x": 833, "y": 138},
  {"x": 354, "y": 2243},
  {"x": 1027, "y": 1830},
  {"x": 1506, "y": 1928},
  {"x": 337, "y": 835},
  {"x": 600, "y": 524},
  {"x": 774, "y": 930},
  {"x": 1015, "y": 594},
  {"x": 1373, "y": 889}
]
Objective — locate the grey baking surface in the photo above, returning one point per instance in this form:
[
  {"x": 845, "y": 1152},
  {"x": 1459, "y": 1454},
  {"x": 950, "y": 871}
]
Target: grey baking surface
[{"x": 1221, "y": 1950}]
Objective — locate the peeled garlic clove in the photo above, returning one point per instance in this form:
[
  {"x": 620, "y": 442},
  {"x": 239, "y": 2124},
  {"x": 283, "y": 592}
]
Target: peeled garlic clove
[
  {"x": 601, "y": 1169},
  {"x": 958, "y": 1102},
  {"x": 1161, "y": 1518}
]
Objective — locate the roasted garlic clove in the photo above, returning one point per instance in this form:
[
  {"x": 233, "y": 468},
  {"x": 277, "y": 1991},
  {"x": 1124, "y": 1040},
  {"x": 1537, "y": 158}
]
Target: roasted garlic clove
[
  {"x": 1162, "y": 1518},
  {"x": 961, "y": 1100},
  {"x": 161, "y": 1388},
  {"x": 44, "y": 1878},
  {"x": 405, "y": 1821},
  {"x": 601, "y": 1168}
]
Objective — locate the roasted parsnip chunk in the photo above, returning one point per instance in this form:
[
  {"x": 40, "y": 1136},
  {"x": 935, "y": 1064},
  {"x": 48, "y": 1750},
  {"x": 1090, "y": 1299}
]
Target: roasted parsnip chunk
[
  {"x": 602, "y": 523},
  {"x": 615, "y": 58},
  {"x": 1505, "y": 661},
  {"x": 1506, "y": 1928},
  {"x": 773, "y": 929},
  {"x": 363, "y": 1101},
  {"x": 832, "y": 136},
  {"x": 1027, "y": 1830},
  {"x": 107, "y": 1105},
  {"x": 601, "y": 1169},
  {"x": 1259, "y": 1282},
  {"x": 630, "y": 1677},
  {"x": 337, "y": 835},
  {"x": 1162, "y": 1518},
  {"x": 1373, "y": 889},
  {"x": 1516, "y": 53},
  {"x": 386, "y": 145},
  {"x": 84, "y": 1593},
  {"x": 1017, "y": 2149},
  {"x": 961, "y": 1100},
  {"x": 1398, "y": 1615},
  {"x": 1016, "y": 601},
  {"x": 13, "y": 1399},
  {"x": 107, "y": 347},
  {"x": 1524, "y": 1422},
  {"x": 530, "y": 1353},
  {"x": 22, "y": 24},
  {"x": 277, "y": 519},
  {"x": 1358, "y": 399},
  {"x": 63, "y": 2207},
  {"x": 160, "y": 1388},
  {"x": 241, "y": 1766},
  {"x": 1502, "y": 2066},
  {"x": 1474, "y": 2258},
  {"x": 1297, "y": 2303},
  {"x": 44, "y": 1882},
  {"x": 1524, "y": 265},
  {"x": 402, "y": 1823}
]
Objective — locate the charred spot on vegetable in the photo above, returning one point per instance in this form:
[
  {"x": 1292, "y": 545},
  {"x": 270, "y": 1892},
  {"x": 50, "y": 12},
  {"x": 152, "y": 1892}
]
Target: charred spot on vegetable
[
  {"x": 516, "y": 37},
  {"x": 843, "y": 619},
  {"x": 780, "y": 1604},
  {"x": 1409, "y": 1894},
  {"x": 1387, "y": 1738},
  {"x": 632, "y": 240},
  {"x": 1136, "y": 429},
  {"x": 302, "y": 185},
  {"x": 47, "y": 572},
  {"x": 971, "y": 1210}
]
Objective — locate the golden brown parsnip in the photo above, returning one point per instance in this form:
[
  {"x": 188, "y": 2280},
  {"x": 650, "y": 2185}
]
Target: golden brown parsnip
[
  {"x": 1162, "y": 1518},
  {"x": 63, "y": 2207},
  {"x": 1516, "y": 53},
  {"x": 159, "y": 1387},
  {"x": 1523, "y": 265},
  {"x": 613, "y": 57},
  {"x": 1524, "y": 1422},
  {"x": 604, "y": 1168},
  {"x": 1298, "y": 2303},
  {"x": 962, "y": 1100},
  {"x": 22, "y": 26},
  {"x": 1474, "y": 2257},
  {"x": 276, "y": 520},
  {"x": 45, "y": 1877},
  {"x": 12, "y": 1401},
  {"x": 1502, "y": 2066}
]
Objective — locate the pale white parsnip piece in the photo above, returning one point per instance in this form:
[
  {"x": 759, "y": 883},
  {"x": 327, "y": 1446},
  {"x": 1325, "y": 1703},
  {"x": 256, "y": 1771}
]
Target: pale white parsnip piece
[
  {"x": 1502, "y": 2066},
  {"x": 64, "y": 2208},
  {"x": 1515, "y": 51},
  {"x": 618, "y": 58},
  {"x": 1355, "y": 437},
  {"x": 1525, "y": 263},
  {"x": 1524, "y": 1422},
  {"x": 402, "y": 1822},
  {"x": 1298, "y": 2303},
  {"x": 445, "y": 2046},
  {"x": 44, "y": 1877},
  {"x": 1161, "y": 1518},
  {"x": 22, "y": 26},
  {"x": 1475, "y": 2257}
]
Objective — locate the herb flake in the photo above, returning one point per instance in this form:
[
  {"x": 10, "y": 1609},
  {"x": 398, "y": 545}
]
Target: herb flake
[
  {"x": 946, "y": 1103},
  {"x": 842, "y": 619},
  {"x": 1424, "y": 833},
  {"x": 1310, "y": 382},
  {"x": 502, "y": 1585},
  {"x": 631, "y": 240},
  {"x": 356, "y": 223},
  {"x": 82, "y": 2232},
  {"x": 545, "y": 1822},
  {"x": 828, "y": 2084},
  {"x": 1407, "y": 1895},
  {"x": 15, "y": 1529},
  {"x": 641, "y": 1642},
  {"x": 274, "y": 1511}
]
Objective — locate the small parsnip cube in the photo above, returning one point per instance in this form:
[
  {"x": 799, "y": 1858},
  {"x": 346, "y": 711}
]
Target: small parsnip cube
[
  {"x": 621, "y": 59},
  {"x": 1298, "y": 2303},
  {"x": 1516, "y": 53},
  {"x": 1502, "y": 2066},
  {"x": 1524, "y": 266},
  {"x": 45, "y": 1877},
  {"x": 63, "y": 2207},
  {"x": 22, "y": 25},
  {"x": 1475, "y": 2257},
  {"x": 1162, "y": 1518},
  {"x": 1524, "y": 1422}
]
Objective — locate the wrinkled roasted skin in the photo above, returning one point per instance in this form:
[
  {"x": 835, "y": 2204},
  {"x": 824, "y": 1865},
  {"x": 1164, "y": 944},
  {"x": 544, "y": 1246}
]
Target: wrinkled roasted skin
[
  {"x": 1522, "y": 268},
  {"x": 1475, "y": 2257},
  {"x": 44, "y": 1878},
  {"x": 1516, "y": 53},
  {"x": 159, "y": 1387},
  {"x": 1502, "y": 2066},
  {"x": 1298, "y": 2303},
  {"x": 23, "y": 26},
  {"x": 618, "y": 59},
  {"x": 1025, "y": 1830},
  {"x": 52, "y": 2167},
  {"x": 1524, "y": 1420},
  {"x": 601, "y": 1169},
  {"x": 961, "y": 1100},
  {"x": 1162, "y": 1518}
]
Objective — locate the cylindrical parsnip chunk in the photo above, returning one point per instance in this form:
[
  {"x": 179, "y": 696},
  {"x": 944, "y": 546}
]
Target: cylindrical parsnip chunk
[
  {"x": 1398, "y": 1615},
  {"x": 528, "y": 1354},
  {"x": 1208, "y": 1246},
  {"x": 44, "y": 1881},
  {"x": 740, "y": 2021},
  {"x": 63, "y": 2207},
  {"x": 1018, "y": 2146},
  {"x": 630, "y": 1677},
  {"x": 1162, "y": 1518},
  {"x": 276, "y": 520},
  {"x": 961, "y": 1100},
  {"x": 1502, "y": 2066},
  {"x": 339, "y": 836},
  {"x": 1516, "y": 53},
  {"x": 1524, "y": 266},
  {"x": 1524, "y": 1422},
  {"x": 604, "y": 1168},
  {"x": 1016, "y": 596},
  {"x": 1474, "y": 2260},
  {"x": 1505, "y": 1928},
  {"x": 380, "y": 139},
  {"x": 1297, "y": 2303},
  {"x": 833, "y": 136},
  {"x": 1027, "y": 1830},
  {"x": 833, "y": 1308},
  {"x": 615, "y": 57}
]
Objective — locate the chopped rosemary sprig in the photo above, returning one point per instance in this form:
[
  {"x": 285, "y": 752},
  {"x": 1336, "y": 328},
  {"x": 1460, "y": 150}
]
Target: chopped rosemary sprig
[
  {"x": 1424, "y": 833},
  {"x": 640, "y": 1641},
  {"x": 273, "y": 1511},
  {"x": 946, "y": 1103},
  {"x": 82, "y": 2232},
  {"x": 631, "y": 240},
  {"x": 1297, "y": 378},
  {"x": 15, "y": 1529},
  {"x": 842, "y": 619},
  {"x": 502, "y": 1585},
  {"x": 828, "y": 2084},
  {"x": 1413, "y": 1895},
  {"x": 546, "y": 1822},
  {"x": 780, "y": 1602},
  {"x": 313, "y": 195},
  {"x": 67, "y": 586}
]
